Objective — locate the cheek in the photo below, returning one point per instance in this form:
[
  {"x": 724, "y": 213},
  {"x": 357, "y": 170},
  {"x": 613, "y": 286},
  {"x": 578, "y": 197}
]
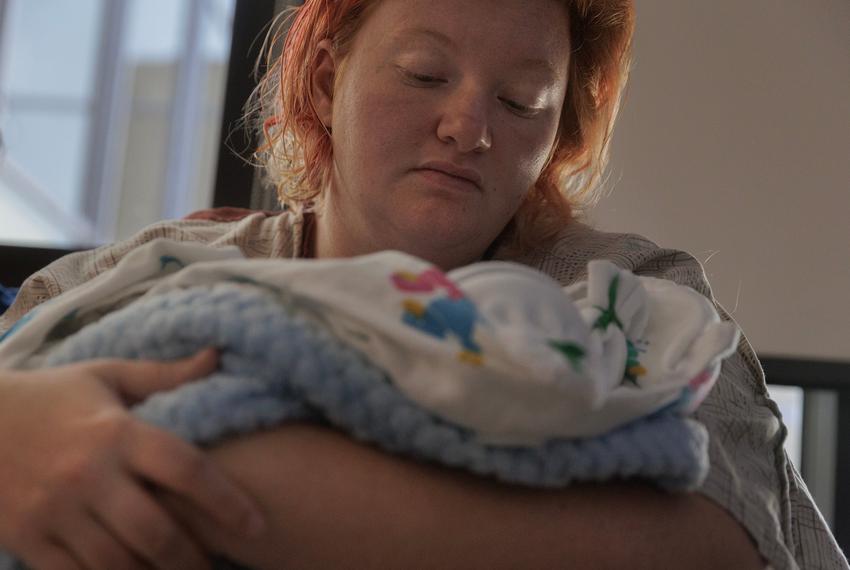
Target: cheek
[
  {"x": 521, "y": 160},
  {"x": 382, "y": 123},
  {"x": 530, "y": 148}
]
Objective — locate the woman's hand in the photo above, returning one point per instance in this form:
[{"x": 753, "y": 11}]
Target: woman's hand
[{"x": 78, "y": 470}]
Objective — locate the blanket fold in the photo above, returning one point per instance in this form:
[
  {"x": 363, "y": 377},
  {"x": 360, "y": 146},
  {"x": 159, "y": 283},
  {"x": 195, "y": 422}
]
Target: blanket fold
[{"x": 277, "y": 367}]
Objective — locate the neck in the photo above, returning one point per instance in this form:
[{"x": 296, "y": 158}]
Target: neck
[{"x": 332, "y": 237}]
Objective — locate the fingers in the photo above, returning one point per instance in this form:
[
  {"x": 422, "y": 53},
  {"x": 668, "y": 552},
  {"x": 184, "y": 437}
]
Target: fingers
[
  {"x": 140, "y": 523},
  {"x": 136, "y": 380},
  {"x": 184, "y": 470},
  {"x": 98, "y": 548},
  {"x": 52, "y": 556}
]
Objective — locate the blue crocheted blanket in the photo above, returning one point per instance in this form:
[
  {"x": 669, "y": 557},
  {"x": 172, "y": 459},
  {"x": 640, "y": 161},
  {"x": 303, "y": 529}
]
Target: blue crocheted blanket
[{"x": 276, "y": 367}]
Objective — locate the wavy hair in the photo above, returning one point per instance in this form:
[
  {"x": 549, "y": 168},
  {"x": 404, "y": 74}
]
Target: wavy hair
[{"x": 296, "y": 153}]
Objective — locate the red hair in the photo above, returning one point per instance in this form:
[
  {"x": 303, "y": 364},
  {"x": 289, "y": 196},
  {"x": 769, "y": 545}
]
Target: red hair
[{"x": 297, "y": 152}]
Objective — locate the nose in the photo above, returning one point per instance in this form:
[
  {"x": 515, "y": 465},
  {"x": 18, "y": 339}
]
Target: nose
[{"x": 464, "y": 122}]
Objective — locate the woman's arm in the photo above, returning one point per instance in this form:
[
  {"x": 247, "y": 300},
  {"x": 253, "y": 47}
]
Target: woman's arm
[{"x": 334, "y": 503}]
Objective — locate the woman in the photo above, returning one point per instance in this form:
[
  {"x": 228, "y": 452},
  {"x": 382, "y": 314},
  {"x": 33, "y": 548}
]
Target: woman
[{"x": 446, "y": 129}]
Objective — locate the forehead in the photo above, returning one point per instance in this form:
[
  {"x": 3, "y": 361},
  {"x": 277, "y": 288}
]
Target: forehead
[{"x": 519, "y": 30}]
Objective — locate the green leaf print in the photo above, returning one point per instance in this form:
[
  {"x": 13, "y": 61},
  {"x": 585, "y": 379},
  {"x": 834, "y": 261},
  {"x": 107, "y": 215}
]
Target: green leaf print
[{"x": 573, "y": 352}]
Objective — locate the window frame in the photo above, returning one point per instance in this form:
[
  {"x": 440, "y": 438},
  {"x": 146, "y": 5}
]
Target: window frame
[
  {"x": 832, "y": 375},
  {"x": 234, "y": 177}
]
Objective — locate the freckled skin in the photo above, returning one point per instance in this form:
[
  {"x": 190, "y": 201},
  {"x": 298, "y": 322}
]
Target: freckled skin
[{"x": 386, "y": 123}]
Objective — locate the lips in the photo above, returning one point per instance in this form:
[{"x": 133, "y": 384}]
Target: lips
[
  {"x": 443, "y": 181},
  {"x": 452, "y": 173}
]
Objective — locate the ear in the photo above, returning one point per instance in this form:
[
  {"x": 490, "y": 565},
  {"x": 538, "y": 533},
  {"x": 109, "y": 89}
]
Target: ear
[{"x": 322, "y": 84}]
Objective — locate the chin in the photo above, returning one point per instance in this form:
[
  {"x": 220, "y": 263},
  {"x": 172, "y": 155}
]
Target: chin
[
  {"x": 445, "y": 247},
  {"x": 430, "y": 225},
  {"x": 438, "y": 225}
]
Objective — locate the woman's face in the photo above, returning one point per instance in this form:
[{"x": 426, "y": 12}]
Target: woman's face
[{"x": 443, "y": 116}]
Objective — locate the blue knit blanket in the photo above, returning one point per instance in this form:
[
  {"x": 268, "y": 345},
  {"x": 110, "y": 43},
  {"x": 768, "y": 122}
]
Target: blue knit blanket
[{"x": 276, "y": 366}]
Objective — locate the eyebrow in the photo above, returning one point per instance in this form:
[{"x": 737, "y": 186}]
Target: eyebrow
[
  {"x": 536, "y": 64},
  {"x": 439, "y": 37}
]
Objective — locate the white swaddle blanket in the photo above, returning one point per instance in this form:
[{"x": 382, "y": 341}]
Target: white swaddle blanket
[{"x": 496, "y": 347}]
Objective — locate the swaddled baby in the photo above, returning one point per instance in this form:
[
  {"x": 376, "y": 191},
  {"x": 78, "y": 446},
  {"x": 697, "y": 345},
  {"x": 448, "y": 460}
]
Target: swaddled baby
[
  {"x": 493, "y": 367},
  {"x": 495, "y": 347}
]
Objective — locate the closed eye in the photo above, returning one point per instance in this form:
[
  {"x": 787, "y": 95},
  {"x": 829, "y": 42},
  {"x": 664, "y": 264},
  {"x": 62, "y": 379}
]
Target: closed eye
[
  {"x": 421, "y": 78},
  {"x": 519, "y": 108},
  {"x": 424, "y": 80}
]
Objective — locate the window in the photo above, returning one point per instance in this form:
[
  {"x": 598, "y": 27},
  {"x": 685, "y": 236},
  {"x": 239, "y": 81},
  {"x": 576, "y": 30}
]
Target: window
[
  {"x": 110, "y": 112},
  {"x": 790, "y": 402}
]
